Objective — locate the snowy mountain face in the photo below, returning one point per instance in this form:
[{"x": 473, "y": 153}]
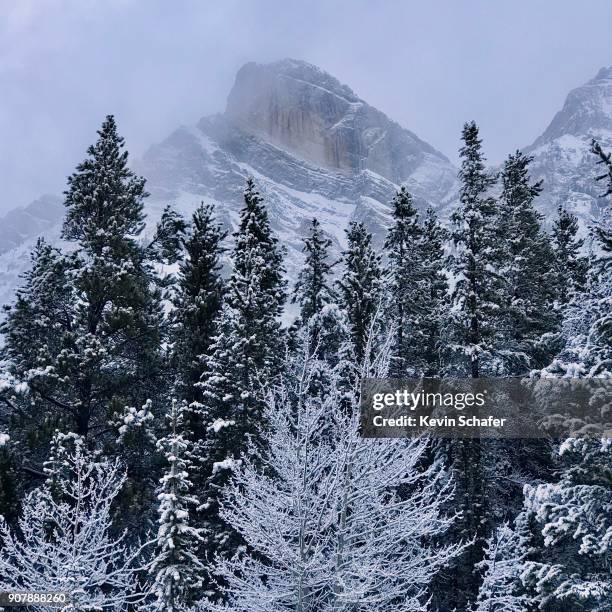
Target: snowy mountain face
[
  {"x": 562, "y": 153},
  {"x": 316, "y": 149},
  {"x": 22, "y": 224},
  {"x": 19, "y": 230}
]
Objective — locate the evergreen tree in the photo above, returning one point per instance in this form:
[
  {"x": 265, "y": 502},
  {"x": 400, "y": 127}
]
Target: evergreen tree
[
  {"x": 245, "y": 357},
  {"x": 569, "y": 565},
  {"x": 197, "y": 301},
  {"x": 256, "y": 288},
  {"x": 529, "y": 328},
  {"x": 434, "y": 321},
  {"x": 98, "y": 318},
  {"x": 39, "y": 332},
  {"x": 135, "y": 443},
  {"x": 570, "y": 569},
  {"x": 255, "y": 297},
  {"x": 571, "y": 267},
  {"x": 312, "y": 290},
  {"x": 167, "y": 245},
  {"x": 530, "y": 320},
  {"x": 601, "y": 349},
  {"x": 109, "y": 337},
  {"x": 474, "y": 335},
  {"x": 477, "y": 293},
  {"x": 119, "y": 312},
  {"x": 360, "y": 286},
  {"x": 406, "y": 290},
  {"x": 176, "y": 566},
  {"x": 603, "y": 229}
]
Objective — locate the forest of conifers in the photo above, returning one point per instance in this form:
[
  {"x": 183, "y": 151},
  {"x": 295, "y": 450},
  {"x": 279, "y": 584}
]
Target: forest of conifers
[{"x": 168, "y": 442}]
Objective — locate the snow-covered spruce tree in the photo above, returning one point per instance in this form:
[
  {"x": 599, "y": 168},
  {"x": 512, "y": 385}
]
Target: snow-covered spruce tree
[
  {"x": 434, "y": 324},
  {"x": 529, "y": 322},
  {"x": 64, "y": 542},
  {"x": 135, "y": 443},
  {"x": 118, "y": 315},
  {"x": 167, "y": 244},
  {"x": 571, "y": 267},
  {"x": 570, "y": 518},
  {"x": 529, "y": 326},
  {"x": 197, "y": 300},
  {"x": 601, "y": 338},
  {"x": 501, "y": 589},
  {"x": 408, "y": 299},
  {"x": 246, "y": 355},
  {"x": 477, "y": 295},
  {"x": 101, "y": 350},
  {"x": 603, "y": 229},
  {"x": 473, "y": 337},
  {"x": 38, "y": 331},
  {"x": 197, "y": 304},
  {"x": 312, "y": 290},
  {"x": 176, "y": 567},
  {"x": 319, "y": 316},
  {"x": 321, "y": 512},
  {"x": 361, "y": 285},
  {"x": 570, "y": 570},
  {"x": 588, "y": 321}
]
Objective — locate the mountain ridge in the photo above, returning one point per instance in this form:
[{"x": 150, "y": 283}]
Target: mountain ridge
[{"x": 316, "y": 149}]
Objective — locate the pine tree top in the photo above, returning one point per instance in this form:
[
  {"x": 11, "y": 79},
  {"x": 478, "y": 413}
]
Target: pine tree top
[
  {"x": 405, "y": 226},
  {"x": 104, "y": 198},
  {"x": 257, "y": 257},
  {"x": 312, "y": 290},
  {"x": 515, "y": 179},
  {"x": 473, "y": 174},
  {"x": 565, "y": 230}
]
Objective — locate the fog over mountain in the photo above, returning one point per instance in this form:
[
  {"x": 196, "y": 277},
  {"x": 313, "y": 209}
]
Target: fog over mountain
[{"x": 316, "y": 149}]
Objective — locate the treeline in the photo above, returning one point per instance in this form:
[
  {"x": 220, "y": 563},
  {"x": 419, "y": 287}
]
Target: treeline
[{"x": 166, "y": 444}]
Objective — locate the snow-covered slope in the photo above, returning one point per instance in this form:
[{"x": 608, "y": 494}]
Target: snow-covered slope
[
  {"x": 562, "y": 153},
  {"x": 22, "y": 224},
  {"x": 314, "y": 148}
]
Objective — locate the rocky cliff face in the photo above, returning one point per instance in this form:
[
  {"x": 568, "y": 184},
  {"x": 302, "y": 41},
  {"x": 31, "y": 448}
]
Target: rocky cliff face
[
  {"x": 562, "y": 156},
  {"x": 22, "y": 224},
  {"x": 307, "y": 112},
  {"x": 313, "y": 147}
]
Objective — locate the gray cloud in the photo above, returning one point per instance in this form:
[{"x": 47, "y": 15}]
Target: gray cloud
[{"x": 157, "y": 64}]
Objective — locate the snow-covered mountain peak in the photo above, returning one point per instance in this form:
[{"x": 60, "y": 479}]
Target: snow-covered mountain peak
[
  {"x": 604, "y": 74},
  {"x": 309, "y": 113},
  {"x": 296, "y": 70},
  {"x": 587, "y": 110},
  {"x": 316, "y": 149},
  {"x": 562, "y": 154}
]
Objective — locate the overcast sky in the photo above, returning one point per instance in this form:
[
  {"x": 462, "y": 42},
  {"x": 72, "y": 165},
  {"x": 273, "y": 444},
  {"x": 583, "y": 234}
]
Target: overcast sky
[{"x": 157, "y": 64}]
